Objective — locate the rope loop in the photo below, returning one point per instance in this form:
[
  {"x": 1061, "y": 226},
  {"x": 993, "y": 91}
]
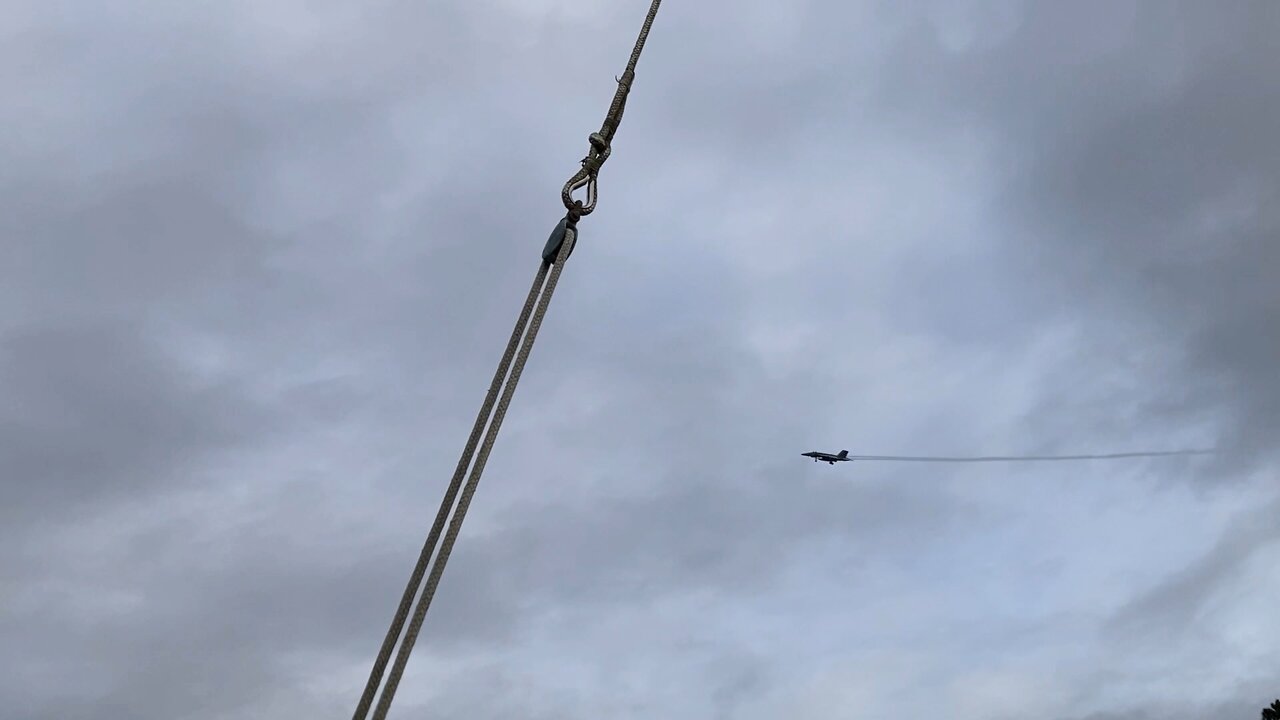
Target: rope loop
[
  {"x": 601, "y": 142},
  {"x": 588, "y": 176}
]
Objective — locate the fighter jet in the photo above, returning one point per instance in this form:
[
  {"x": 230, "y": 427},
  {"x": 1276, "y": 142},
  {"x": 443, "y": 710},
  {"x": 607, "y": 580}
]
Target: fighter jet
[{"x": 828, "y": 458}]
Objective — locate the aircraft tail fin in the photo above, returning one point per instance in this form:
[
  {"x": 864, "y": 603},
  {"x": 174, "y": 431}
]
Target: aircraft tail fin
[{"x": 843, "y": 454}]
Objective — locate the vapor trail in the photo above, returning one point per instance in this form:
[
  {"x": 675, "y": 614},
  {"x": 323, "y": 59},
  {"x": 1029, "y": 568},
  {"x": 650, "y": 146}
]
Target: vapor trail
[{"x": 1029, "y": 458}]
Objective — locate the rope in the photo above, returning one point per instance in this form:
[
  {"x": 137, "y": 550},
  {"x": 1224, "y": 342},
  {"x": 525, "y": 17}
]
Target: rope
[
  {"x": 554, "y": 256},
  {"x": 415, "y": 579},
  {"x": 473, "y": 481},
  {"x": 527, "y": 326},
  {"x": 602, "y": 142}
]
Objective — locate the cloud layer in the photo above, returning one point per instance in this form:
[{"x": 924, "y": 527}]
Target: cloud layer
[{"x": 260, "y": 260}]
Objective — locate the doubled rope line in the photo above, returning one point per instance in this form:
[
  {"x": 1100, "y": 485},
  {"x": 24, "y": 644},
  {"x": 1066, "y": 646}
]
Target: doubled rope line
[
  {"x": 554, "y": 255},
  {"x": 473, "y": 481},
  {"x": 1028, "y": 458},
  {"x": 428, "y": 549}
]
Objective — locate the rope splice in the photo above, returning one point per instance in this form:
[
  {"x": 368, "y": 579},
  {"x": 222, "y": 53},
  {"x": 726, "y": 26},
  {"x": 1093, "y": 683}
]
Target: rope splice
[
  {"x": 602, "y": 142},
  {"x": 501, "y": 390}
]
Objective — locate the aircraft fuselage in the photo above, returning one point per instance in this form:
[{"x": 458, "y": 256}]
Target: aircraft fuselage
[{"x": 828, "y": 458}]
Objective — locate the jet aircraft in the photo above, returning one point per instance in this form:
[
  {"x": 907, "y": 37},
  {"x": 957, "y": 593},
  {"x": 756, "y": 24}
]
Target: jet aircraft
[{"x": 828, "y": 458}]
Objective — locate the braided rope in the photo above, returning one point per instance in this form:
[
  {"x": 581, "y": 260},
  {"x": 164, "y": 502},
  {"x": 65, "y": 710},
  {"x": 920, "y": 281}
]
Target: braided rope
[
  {"x": 614, "y": 118},
  {"x": 602, "y": 142},
  {"x": 527, "y": 326},
  {"x": 415, "y": 579},
  {"x": 473, "y": 481}
]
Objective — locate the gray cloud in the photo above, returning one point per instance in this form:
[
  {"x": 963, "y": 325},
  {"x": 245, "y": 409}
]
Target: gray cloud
[
  {"x": 98, "y": 413},
  {"x": 260, "y": 261},
  {"x": 1236, "y": 708},
  {"x": 1173, "y": 606},
  {"x": 1140, "y": 182}
]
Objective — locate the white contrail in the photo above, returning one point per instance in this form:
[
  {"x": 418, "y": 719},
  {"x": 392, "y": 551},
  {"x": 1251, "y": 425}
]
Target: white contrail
[{"x": 1028, "y": 458}]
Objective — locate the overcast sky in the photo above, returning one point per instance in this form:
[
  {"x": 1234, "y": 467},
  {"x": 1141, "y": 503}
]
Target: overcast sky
[{"x": 260, "y": 257}]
